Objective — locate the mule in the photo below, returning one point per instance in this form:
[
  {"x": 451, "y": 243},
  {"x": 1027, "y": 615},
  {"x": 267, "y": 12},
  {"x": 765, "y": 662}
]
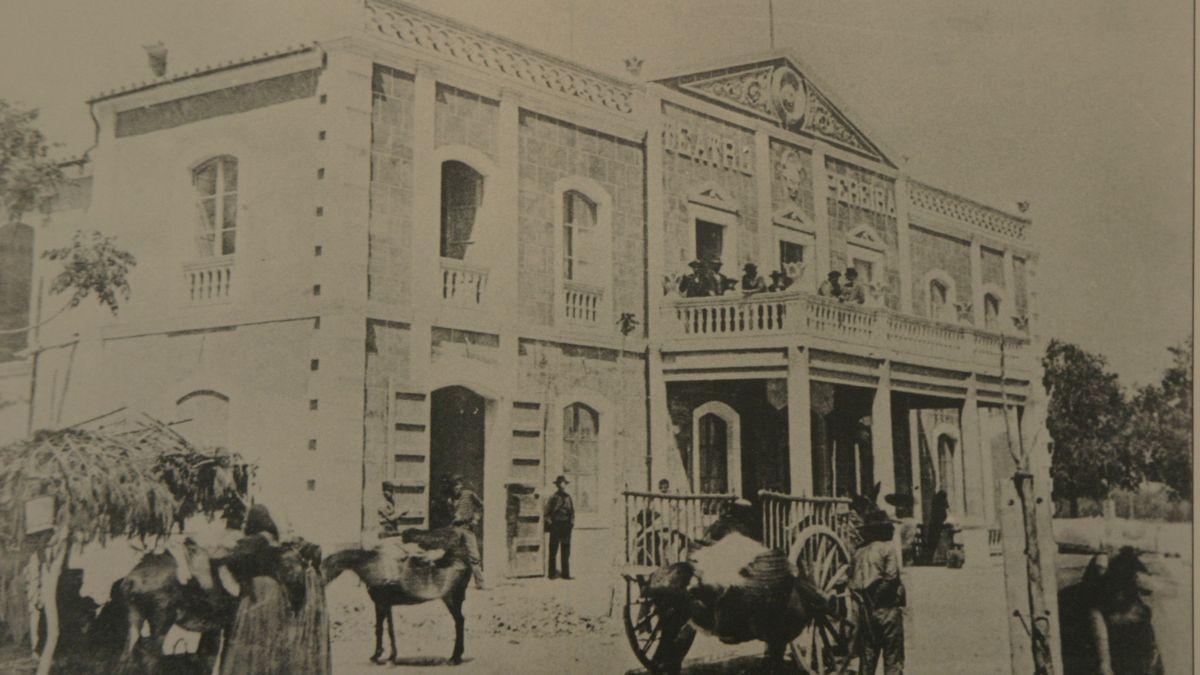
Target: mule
[
  {"x": 1105, "y": 621},
  {"x": 425, "y": 565}
]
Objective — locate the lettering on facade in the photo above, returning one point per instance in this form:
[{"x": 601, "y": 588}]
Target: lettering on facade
[
  {"x": 861, "y": 192},
  {"x": 708, "y": 148}
]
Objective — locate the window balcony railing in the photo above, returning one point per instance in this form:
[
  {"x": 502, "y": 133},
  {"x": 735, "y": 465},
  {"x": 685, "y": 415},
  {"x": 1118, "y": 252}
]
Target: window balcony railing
[
  {"x": 209, "y": 280},
  {"x": 581, "y": 303},
  {"x": 463, "y": 284},
  {"x": 802, "y": 313}
]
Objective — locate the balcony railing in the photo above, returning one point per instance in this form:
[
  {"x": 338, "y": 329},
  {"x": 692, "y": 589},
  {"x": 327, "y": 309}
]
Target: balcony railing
[
  {"x": 581, "y": 303},
  {"x": 209, "y": 280},
  {"x": 802, "y": 313},
  {"x": 463, "y": 284}
]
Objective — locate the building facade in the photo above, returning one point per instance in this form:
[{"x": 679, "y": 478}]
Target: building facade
[{"x": 421, "y": 250}]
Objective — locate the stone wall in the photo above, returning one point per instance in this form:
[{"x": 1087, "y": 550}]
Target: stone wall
[
  {"x": 463, "y": 118},
  {"x": 993, "y": 267},
  {"x": 932, "y": 251},
  {"x": 551, "y": 150},
  {"x": 391, "y": 186},
  {"x": 1020, "y": 285},
  {"x": 387, "y": 363},
  {"x": 685, "y": 175},
  {"x": 845, "y": 217}
]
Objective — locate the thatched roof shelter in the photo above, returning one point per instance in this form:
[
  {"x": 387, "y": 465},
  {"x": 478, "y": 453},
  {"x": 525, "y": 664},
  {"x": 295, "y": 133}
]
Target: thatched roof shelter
[{"x": 135, "y": 478}]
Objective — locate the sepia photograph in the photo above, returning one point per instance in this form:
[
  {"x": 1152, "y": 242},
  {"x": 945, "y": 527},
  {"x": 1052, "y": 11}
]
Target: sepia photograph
[{"x": 642, "y": 337}]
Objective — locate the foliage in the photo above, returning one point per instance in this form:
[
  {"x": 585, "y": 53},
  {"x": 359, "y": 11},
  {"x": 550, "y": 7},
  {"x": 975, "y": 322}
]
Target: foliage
[
  {"x": 29, "y": 180},
  {"x": 92, "y": 264},
  {"x": 137, "y": 482},
  {"x": 1161, "y": 426},
  {"x": 1087, "y": 417}
]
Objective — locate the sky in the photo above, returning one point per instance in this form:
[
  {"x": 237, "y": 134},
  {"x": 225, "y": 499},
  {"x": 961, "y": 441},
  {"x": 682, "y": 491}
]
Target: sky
[{"x": 1083, "y": 108}]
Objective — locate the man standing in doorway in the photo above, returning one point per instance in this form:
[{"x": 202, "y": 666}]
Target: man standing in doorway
[
  {"x": 467, "y": 510},
  {"x": 560, "y": 520}
]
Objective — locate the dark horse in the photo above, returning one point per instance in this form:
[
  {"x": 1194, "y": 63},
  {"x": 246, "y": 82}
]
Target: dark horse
[
  {"x": 1105, "y": 621},
  {"x": 434, "y": 567},
  {"x": 735, "y": 589}
]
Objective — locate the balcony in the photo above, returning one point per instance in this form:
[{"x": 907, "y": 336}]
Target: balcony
[
  {"x": 209, "y": 281},
  {"x": 463, "y": 284},
  {"x": 711, "y": 322},
  {"x": 581, "y": 303}
]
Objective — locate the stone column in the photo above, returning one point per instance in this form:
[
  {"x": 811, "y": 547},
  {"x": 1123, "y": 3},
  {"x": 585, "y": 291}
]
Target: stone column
[
  {"x": 978, "y": 460},
  {"x": 766, "y": 259},
  {"x": 821, "y": 211},
  {"x": 1009, "y": 307},
  {"x": 976, "y": 283},
  {"x": 799, "y": 407},
  {"x": 426, "y": 214},
  {"x": 914, "y": 444},
  {"x": 660, "y": 445},
  {"x": 881, "y": 435},
  {"x": 904, "y": 244}
]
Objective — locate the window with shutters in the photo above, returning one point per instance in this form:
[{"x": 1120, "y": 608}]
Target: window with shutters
[
  {"x": 462, "y": 195},
  {"x": 581, "y": 455},
  {"x": 216, "y": 184},
  {"x": 583, "y": 212},
  {"x": 579, "y": 234}
]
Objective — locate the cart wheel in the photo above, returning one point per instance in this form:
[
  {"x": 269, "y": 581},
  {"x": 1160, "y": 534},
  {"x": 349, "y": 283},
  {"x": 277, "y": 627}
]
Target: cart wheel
[
  {"x": 647, "y": 629},
  {"x": 824, "y": 646}
]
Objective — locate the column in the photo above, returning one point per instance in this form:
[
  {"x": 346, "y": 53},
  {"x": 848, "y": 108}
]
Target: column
[
  {"x": 821, "y": 211},
  {"x": 660, "y": 448},
  {"x": 767, "y": 257},
  {"x": 1009, "y": 308},
  {"x": 656, "y": 258},
  {"x": 904, "y": 244},
  {"x": 503, "y": 281},
  {"x": 426, "y": 208},
  {"x": 976, "y": 283},
  {"x": 799, "y": 407},
  {"x": 881, "y": 435},
  {"x": 914, "y": 443},
  {"x": 978, "y": 458}
]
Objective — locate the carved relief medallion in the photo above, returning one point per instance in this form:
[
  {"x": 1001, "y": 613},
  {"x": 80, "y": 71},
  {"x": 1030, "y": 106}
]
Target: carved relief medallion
[{"x": 788, "y": 96}]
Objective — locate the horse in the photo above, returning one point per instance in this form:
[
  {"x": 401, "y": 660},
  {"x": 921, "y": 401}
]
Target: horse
[
  {"x": 1104, "y": 620},
  {"x": 434, "y": 567},
  {"x": 736, "y": 589}
]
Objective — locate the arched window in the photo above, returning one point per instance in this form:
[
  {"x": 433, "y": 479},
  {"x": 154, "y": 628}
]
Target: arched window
[
  {"x": 203, "y": 419},
  {"x": 940, "y": 301},
  {"x": 991, "y": 311},
  {"x": 713, "y": 444},
  {"x": 579, "y": 230},
  {"x": 216, "y": 183},
  {"x": 462, "y": 195},
  {"x": 581, "y": 455}
]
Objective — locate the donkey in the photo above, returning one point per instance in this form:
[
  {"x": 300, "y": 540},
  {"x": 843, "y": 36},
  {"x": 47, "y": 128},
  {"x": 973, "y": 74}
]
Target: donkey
[{"x": 434, "y": 567}]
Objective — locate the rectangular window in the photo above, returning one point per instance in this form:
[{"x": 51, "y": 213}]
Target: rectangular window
[
  {"x": 866, "y": 270},
  {"x": 216, "y": 182},
  {"x": 710, "y": 240},
  {"x": 790, "y": 252},
  {"x": 579, "y": 226}
]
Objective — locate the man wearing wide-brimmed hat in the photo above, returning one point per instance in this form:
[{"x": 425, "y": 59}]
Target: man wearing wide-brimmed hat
[
  {"x": 560, "y": 520},
  {"x": 875, "y": 576}
]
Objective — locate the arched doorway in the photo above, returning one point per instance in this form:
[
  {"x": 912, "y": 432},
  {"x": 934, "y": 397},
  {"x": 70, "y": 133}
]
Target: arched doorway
[
  {"x": 457, "y": 429},
  {"x": 716, "y": 449}
]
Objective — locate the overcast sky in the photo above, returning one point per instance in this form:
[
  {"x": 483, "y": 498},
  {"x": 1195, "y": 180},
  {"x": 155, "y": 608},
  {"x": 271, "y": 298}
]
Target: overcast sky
[{"x": 1083, "y": 108}]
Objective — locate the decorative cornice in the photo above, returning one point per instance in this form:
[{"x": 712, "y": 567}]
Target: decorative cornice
[
  {"x": 963, "y": 210},
  {"x": 450, "y": 40},
  {"x": 749, "y": 90}
]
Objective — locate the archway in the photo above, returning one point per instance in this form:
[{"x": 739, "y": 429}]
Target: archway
[{"x": 457, "y": 431}]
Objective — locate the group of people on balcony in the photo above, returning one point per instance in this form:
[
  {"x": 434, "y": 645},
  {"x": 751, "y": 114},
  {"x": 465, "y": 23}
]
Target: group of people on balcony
[
  {"x": 850, "y": 290},
  {"x": 706, "y": 280}
]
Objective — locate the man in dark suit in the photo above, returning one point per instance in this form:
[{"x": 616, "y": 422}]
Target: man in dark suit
[{"x": 560, "y": 520}]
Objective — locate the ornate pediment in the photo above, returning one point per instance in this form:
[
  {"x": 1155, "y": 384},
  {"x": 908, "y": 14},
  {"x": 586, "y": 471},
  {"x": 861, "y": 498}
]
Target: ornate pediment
[
  {"x": 867, "y": 238},
  {"x": 716, "y": 197},
  {"x": 777, "y": 91},
  {"x": 793, "y": 218}
]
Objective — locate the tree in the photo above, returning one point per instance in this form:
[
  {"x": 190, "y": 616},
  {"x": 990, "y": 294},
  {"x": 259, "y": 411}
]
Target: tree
[
  {"x": 1160, "y": 430},
  {"x": 29, "y": 179},
  {"x": 1087, "y": 418}
]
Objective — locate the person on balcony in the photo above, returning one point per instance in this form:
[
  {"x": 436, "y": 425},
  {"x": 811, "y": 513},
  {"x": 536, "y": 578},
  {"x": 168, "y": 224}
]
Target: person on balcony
[
  {"x": 852, "y": 291},
  {"x": 751, "y": 282},
  {"x": 779, "y": 281},
  {"x": 832, "y": 286},
  {"x": 702, "y": 282},
  {"x": 723, "y": 282}
]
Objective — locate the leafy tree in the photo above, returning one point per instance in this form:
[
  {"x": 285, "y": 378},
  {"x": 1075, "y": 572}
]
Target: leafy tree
[
  {"x": 1161, "y": 428},
  {"x": 1087, "y": 418}
]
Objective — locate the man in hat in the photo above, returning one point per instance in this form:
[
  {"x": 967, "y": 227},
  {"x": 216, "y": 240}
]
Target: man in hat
[
  {"x": 467, "y": 511},
  {"x": 832, "y": 286},
  {"x": 751, "y": 282},
  {"x": 720, "y": 281},
  {"x": 852, "y": 291},
  {"x": 702, "y": 282},
  {"x": 875, "y": 576},
  {"x": 779, "y": 281},
  {"x": 560, "y": 520}
]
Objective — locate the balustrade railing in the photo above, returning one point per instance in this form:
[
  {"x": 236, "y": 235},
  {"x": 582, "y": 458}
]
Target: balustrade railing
[
  {"x": 802, "y": 313},
  {"x": 209, "y": 280},
  {"x": 659, "y": 528},
  {"x": 581, "y": 303},
  {"x": 786, "y": 516},
  {"x": 463, "y": 284}
]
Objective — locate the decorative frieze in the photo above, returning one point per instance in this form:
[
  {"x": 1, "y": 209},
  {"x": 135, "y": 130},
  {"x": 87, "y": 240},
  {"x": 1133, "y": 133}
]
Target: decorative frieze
[
  {"x": 965, "y": 211},
  {"x": 750, "y": 89},
  {"x": 708, "y": 147},
  {"x": 861, "y": 189},
  {"x": 478, "y": 49}
]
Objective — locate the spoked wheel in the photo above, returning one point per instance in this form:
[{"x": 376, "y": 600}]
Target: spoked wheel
[
  {"x": 648, "y": 627},
  {"x": 824, "y": 646}
]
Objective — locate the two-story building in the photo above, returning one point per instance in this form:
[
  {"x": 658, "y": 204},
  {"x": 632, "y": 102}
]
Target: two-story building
[{"x": 422, "y": 250}]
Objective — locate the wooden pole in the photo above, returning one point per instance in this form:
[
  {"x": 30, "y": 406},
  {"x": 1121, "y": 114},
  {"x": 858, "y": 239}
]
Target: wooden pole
[{"x": 1022, "y": 478}]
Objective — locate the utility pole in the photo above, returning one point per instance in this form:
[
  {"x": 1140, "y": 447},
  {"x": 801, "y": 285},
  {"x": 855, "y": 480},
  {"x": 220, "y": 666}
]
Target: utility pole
[
  {"x": 1038, "y": 624},
  {"x": 771, "y": 22}
]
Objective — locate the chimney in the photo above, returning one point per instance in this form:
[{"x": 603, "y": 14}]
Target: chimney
[{"x": 157, "y": 53}]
